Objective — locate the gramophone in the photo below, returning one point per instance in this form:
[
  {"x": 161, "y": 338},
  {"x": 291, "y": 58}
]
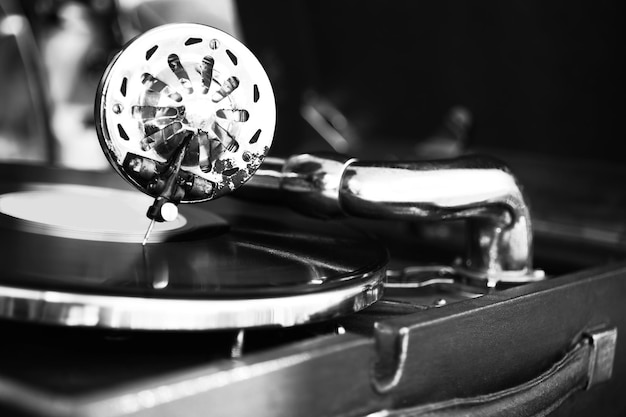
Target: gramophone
[{"x": 284, "y": 307}]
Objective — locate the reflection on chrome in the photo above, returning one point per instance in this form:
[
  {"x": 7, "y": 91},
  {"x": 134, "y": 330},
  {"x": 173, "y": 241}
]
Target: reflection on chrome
[{"x": 479, "y": 189}]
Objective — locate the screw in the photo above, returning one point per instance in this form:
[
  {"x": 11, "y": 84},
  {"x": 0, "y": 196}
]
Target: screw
[
  {"x": 214, "y": 44},
  {"x": 117, "y": 108},
  {"x": 246, "y": 156}
]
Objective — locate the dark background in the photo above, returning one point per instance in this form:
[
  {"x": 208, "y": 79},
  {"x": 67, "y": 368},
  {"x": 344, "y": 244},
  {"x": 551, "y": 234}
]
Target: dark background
[{"x": 540, "y": 77}]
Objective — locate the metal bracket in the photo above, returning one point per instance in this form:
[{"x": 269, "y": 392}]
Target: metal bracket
[{"x": 603, "y": 344}]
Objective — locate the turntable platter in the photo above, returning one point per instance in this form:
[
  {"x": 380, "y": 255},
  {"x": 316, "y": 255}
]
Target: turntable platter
[{"x": 227, "y": 265}]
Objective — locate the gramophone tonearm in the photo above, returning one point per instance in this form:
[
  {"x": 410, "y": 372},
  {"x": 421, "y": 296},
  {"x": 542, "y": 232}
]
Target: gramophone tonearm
[{"x": 186, "y": 113}]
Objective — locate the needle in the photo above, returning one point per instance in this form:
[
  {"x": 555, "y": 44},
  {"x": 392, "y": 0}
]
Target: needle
[
  {"x": 145, "y": 238},
  {"x": 162, "y": 208}
]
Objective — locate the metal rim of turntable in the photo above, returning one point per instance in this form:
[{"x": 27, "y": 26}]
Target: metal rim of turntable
[{"x": 134, "y": 313}]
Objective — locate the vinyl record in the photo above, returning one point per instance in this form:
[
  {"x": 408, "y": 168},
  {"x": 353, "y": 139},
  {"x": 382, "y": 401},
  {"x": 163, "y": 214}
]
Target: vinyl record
[{"x": 71, "y": 255}]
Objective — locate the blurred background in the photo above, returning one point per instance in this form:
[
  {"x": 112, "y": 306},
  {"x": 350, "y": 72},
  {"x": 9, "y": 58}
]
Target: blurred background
[
  {"x": 371, "y": 78},
  {"x": 538, "y": 84}
]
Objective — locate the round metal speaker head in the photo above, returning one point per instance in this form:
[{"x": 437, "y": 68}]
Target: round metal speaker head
[{"x": 185, "y": 91}]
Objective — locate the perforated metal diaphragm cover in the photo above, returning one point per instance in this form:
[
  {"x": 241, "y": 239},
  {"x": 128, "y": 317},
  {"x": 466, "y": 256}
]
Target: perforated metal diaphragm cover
[{"x": 179, "y": 84}]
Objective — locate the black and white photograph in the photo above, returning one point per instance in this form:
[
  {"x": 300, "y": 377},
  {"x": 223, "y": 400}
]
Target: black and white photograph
[{"x": 312, "y": 208}]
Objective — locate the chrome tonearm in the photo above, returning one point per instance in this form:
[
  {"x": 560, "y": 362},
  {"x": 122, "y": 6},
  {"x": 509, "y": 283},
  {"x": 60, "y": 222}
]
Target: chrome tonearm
[
  {"x": 186, "y": 113},
  {"x": 479, "y": 189}
]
